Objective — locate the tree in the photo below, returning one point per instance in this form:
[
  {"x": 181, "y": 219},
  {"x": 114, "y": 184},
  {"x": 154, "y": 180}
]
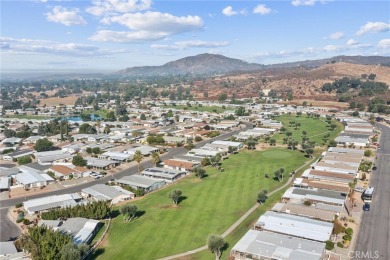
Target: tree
[
  {"x": 288, "y": 134},
  {"x": 9, "y": 133},
  {"x": 175, "y": 196},
  {"x": 199, "y": 172},
  {"x": 87, "y": 129},
  {"x": 368, "y": 153},
  {"x": 262, "y": 196},
  {"x": 272, "y": 141},
  {"x": 333, "y": 126},
  {"x": 222, "y": 97},
  {"x": 43, "y": 145},
  {"x": 78, "y": 160},
  {"x": 332, "y": 143},
  {"x": 24, "y": 160},
  {"x": 278, "y": 175},
  {"x": 309, "y": 152},
  {"x": 138, "y": 158},
  {"x": 240, "y": 111},
  {"x": 111, "y": 116},
  {"x": 70, "y": 252},
  {"x": 215, "y": 243},
  {"x": 143, "y": 117},
  {"x": 107, "y": 130},
  {"x": 155, "y": 158},
  {"x": 129, "y": 212},
  {"x": 96, "y": 150}
]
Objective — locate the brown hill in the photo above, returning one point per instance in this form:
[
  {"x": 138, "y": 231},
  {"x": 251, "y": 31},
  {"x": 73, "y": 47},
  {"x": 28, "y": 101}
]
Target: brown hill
[{"x": 304, "y": 83}]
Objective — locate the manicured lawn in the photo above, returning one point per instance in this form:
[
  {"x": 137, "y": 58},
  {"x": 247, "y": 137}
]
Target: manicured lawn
[
  {"x": 202, "y": 108},
  {"x": 315, "y": 128},
  {"x": 101, "y": 112},
  {"x": 210, "y": 206}
]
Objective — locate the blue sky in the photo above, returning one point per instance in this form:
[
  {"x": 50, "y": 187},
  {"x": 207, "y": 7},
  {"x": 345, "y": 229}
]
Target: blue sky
[{"x": 109, "y": 35}]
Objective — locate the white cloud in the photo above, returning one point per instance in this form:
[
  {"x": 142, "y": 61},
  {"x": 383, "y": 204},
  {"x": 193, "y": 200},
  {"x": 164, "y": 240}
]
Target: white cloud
[
  {"x": 228, "y": 11},
  {"x": 126, "y": 36},
  {"x": 181, "y": 45},
  {"x": 147, "y": 26},
  {"x": 65, "y": 16},
  {"x": 384, "y": 44},
  {"x": 352, "y": 42},
  {"x": 333, "y": 48},
  {"x": 261, "y": 9},
  {"x": 335, "y": 36},
  {"x": 307, "y": 2},
  {"x": 110, "y": 7},
  {"x": 31, "y": 46},
  {"x": 373, "y": 27}
]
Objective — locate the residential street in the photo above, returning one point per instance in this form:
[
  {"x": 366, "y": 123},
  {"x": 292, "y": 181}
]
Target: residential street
[
  {"x": 10, "y": 230},
  {"x": 373, "y": 241}
]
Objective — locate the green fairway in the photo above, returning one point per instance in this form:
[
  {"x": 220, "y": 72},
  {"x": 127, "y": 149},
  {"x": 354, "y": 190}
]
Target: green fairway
[
  {"x": 210, "y": 206},
  {"x": 316, "y": 129},
  {"x": 215, "y": 109}
]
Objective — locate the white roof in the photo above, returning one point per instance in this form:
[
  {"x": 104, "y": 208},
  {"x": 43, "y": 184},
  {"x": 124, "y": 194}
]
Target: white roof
[
  {"x": 295, "y": 226},
  {"x": 269, "y": 245},
  {"x": 26, "y": 178},
  {"x": 51, "y": 202},
  {"x": 228, "y": 143}
]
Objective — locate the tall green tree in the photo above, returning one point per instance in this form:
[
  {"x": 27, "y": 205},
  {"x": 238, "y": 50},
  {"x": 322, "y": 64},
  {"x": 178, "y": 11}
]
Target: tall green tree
[
  {"x": 43, "y": 145},
  {"x": 138, "y": 158},
  {"x": 78, "y": 160},
  {"x": 175, "y": 196},
  {"x": 215, "y": 243},
  {"x": 129, "y": 211},
  {"x": 156, "y": 158}
]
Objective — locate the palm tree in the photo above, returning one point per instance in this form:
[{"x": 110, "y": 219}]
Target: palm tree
[
  {"x": 138, "y": 158},
  {"x": 156, "y": 158}
]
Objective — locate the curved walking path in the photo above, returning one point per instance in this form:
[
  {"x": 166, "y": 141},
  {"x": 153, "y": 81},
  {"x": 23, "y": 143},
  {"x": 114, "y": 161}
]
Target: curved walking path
[{"x": 240, "y": 220}]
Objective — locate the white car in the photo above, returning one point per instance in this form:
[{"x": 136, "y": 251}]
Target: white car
[
  {"x": 95, "y": 176},
  {"x": 359, "y": 189}
]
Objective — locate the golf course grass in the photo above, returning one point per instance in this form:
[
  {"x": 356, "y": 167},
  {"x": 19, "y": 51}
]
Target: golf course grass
[
  {"x": 316, "y": 129},
  {"x": 209, "y": 206}
]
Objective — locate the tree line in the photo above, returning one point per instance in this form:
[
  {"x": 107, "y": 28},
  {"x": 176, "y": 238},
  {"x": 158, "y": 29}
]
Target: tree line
[{"x": 91, "y": 210}]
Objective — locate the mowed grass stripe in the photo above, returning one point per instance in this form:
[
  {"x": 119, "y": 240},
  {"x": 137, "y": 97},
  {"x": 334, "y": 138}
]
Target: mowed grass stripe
[{"x": 212, "y": 205}]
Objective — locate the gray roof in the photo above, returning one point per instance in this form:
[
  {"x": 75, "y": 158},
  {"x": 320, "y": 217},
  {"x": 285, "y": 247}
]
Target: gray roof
[
  {"x": 277, "y": 246},
  {"x": 319, "y": 192},
  {"x": 95, "y": 162},
  {"x": 5, "y": 172},
  {"x": 38, "y": 167},
  {"x": 20, "y": 153},
  {"x": 295, "y": 226},
  {"x": 139, "y": 181},
  {"x": 162, "y": 172},
  {"x": 105, "y": 192},
  {"x": 7, "y": 248}
]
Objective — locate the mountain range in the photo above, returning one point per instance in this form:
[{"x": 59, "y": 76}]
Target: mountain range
[{"x": 219, "y": 64}]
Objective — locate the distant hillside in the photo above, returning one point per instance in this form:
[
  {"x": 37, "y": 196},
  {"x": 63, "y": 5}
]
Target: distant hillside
[
  {"x": 364, "y": 60},
  {"x": 219, "y": 64},
  {"x": 199, "y": 64}
]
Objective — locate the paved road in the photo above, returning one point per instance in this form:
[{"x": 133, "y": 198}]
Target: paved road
[
  {"x": 9, "y": 229},
  {"x": 373, "y": 241}
]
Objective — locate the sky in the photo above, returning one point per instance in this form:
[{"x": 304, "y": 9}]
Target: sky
[{"x": 110, "y": 35}]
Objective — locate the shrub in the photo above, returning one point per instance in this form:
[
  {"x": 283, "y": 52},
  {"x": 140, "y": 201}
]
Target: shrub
[
  {"x": 329, "y": 245},
  {"x": 19, "y": 220},
  {"x": 26, "y": 221},
  {"x": 340, "y": 244},
  {"x": 347, "y": 237},
  {"x": 307, "y": 203},
  {"x": 18, "y": 205},
  {"x": 349, "y": 231}
]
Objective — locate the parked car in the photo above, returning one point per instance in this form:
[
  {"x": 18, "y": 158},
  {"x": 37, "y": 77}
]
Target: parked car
[
  {"x": 366, "y": 207},
  {"x": 95, "y": 176}
]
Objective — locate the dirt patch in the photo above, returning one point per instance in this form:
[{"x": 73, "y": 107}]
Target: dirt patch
[{"x": 56, "y": 101}]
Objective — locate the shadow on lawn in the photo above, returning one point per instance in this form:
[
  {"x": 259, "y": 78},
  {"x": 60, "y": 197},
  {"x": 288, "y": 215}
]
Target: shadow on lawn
[
  {"x": 182, "y": 198},
  {"x": 96, "y": 254}
]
